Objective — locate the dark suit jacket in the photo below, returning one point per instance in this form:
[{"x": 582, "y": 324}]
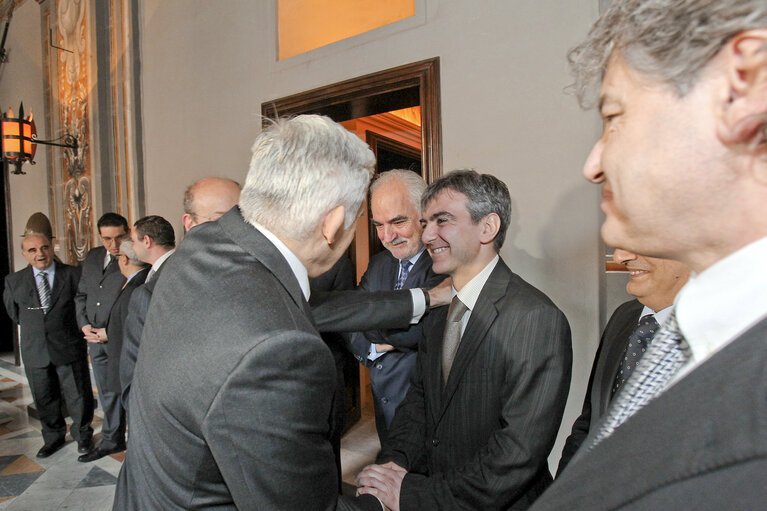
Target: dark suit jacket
[
  {"x": 115, "y": 329},
  {"x": 392, "y": 370},
  {"x": 481, "y": 441},
  {"x": 98, "y": 289},
  {"x": 45, "y": 338},
  {"x": 606, "y": 364},
  {"x": 233, "y": 385},
  {"x": 701, "y": 444},
  {"x": 138, "y": 307}
]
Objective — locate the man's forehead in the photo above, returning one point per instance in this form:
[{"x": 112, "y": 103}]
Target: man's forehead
[{"x": 34, "y": 242}]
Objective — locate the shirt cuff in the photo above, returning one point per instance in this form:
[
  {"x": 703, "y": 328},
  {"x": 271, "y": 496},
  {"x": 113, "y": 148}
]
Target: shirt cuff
[{"x": 419, "y": 305}]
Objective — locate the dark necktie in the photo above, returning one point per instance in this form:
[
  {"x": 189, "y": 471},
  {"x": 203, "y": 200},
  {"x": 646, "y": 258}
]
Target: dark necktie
[
  {"x": 403, "y": 271},
  {"x": 638, "y": 343},
  {"x": 44, "y": 291},
  {"x": 452, "y": 336},
  {"x": 666, "y": 355}
]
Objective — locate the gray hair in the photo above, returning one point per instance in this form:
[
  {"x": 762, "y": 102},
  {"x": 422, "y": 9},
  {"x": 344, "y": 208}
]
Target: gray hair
[
  {"x": 413, "y": 182},
  {"x": 669, "y": 40},
  {"x": 485, "y": 194},
  {"x": 302, "y": 168},
  {"x": 126, "y": 248}
]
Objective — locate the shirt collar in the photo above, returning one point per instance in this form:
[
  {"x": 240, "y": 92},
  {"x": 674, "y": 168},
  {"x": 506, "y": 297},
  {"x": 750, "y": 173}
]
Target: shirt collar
[
  {"x": 723, "y": 301},
  {"x": 415, "y": 258},
  {"x": 50, "y": 270},
  {"x": 661, "y": 316},
  {"x": 295, "y": 264},
  {"x": 469, "y": 294},
  {"x": 162, "y": 259}
]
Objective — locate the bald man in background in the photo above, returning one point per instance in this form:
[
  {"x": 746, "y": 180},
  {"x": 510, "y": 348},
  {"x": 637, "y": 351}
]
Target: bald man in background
[{"x": 205, "y": 200}]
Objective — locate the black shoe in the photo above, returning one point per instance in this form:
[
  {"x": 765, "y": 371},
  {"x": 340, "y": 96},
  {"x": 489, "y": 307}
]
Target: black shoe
[
  {"x": 84, "y": 446},
  {"x": 49, "y": 449},
  {"x": 98, "y": 453}
]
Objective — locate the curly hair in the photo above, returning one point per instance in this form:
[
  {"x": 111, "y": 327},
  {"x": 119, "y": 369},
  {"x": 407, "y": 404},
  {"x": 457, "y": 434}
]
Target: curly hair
[{"x": 668, "y": 40}]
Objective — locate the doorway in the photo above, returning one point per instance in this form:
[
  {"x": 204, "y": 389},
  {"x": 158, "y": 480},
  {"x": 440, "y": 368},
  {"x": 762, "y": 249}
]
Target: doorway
[{"x": 369, "y": 106}]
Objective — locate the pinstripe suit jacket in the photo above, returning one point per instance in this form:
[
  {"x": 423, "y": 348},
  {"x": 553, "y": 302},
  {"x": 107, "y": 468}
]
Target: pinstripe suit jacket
[{"x": 481, "y": 441}]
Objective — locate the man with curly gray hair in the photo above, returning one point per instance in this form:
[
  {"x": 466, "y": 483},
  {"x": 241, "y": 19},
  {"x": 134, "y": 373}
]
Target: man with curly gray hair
[{"x": 682, "y": 162}]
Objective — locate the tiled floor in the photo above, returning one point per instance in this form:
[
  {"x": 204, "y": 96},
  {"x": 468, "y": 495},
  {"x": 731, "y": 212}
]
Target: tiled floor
[{"x": 60, "y": 482}]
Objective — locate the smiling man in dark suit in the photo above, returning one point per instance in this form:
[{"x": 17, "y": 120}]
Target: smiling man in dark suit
[
  {"x": 654, "y": 282},
  {"x": 40, "y": 298},
  {"x": 682, "y": 162},
  {"x": 231, "y": 398},
  {"x": 492, "y": 373},
  {"x": 395, "y": 203}
]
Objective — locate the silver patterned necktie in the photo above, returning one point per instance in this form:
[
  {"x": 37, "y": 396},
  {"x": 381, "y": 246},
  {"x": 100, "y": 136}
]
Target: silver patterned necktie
[
  {"x": 452, "y": 336},
  {"x": 663, "y": 359},
  {"x": 44, "y": 291}
]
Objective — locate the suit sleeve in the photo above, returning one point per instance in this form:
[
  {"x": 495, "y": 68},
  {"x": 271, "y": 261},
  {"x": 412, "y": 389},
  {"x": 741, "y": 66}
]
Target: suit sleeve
[
  {"x": 80, "y": 299},
  {"x": 581, "y": 425},
  {"x": 274, "y": 405},
  {"x": 534, "y": 396},
  {"x": 404, "y": 339},
  {"x": 132, "y": 331},
  {"x": 10, "y": 304},
  {"x": 354, "y": 311}
]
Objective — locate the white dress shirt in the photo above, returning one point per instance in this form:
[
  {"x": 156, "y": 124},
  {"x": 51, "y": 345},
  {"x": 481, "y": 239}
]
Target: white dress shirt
[{"x": 722, "y": 302}]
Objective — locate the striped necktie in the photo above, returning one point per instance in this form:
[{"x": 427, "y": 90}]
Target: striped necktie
[
  {"x": 44, "y": 291},
  {"x": 403, "y": 272}
]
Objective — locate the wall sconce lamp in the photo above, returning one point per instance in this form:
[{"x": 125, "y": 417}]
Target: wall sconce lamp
[{"x": 19, "y": 139}]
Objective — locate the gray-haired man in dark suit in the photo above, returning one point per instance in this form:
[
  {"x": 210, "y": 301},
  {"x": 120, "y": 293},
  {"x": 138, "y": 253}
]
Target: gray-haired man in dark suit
[{"x": 40, "y": 298}]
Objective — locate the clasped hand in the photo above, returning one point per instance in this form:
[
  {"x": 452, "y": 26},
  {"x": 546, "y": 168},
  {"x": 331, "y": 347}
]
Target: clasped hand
[{"x": 383, "y": 482}]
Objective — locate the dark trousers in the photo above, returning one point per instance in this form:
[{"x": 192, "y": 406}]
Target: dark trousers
[
  {"x": 72, "y": 383},
  {"x": 113, "y": 429}
]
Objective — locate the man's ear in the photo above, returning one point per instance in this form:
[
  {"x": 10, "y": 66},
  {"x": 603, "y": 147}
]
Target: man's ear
[
  {"x": 744, "y": 117},
  {"x": 491, "y": 226},
  {"x": 333, "y": 224},
  {"x": 187, "y": 221}
]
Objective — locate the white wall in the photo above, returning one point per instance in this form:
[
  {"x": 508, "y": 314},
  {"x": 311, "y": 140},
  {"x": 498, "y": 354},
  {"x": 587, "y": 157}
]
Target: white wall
[
  {"x": 21, "y": 80},
  {"x": 208, "y": 66}
]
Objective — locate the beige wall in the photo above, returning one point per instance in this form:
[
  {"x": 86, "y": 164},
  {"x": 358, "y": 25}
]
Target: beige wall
[
  {"x": 21, "y": 80},
  {"x": 207, "y": 67}
]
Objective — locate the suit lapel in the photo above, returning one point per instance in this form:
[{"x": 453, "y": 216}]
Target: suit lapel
[
  {"x": 29, "y": 281},
  {"x": 390, "y": 271},
  {"x": 482, "y": 317},
  {"x": 615, "y": 347}
]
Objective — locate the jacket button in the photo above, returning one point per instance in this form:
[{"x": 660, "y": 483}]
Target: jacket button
[
  {"x": 98, "y": 304},
  {"x": 379, "y": 366},
  {"x": 435, "y": 442},
  {"x": 384, "y": 400},
  {"x": 101, "y": 287}
]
